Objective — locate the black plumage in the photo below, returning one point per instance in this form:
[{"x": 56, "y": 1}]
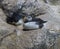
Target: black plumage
[
  {"x": 38, "y": 20},
  {"x": 14, "y": 18}
]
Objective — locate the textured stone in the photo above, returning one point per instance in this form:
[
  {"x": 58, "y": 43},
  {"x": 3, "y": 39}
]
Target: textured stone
[{"x": 13, "y": 37}]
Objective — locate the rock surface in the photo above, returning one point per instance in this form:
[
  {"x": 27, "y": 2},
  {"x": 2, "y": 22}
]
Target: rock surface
[{"x": 13, "y": 37}]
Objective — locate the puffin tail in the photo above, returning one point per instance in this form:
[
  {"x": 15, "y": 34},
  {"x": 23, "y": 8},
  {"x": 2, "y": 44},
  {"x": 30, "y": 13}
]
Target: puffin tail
[{"x": 9, "y": 20}]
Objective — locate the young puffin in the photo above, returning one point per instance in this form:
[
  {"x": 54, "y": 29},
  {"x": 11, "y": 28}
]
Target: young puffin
[
  {"x": 33, "y": 23},
  {"x": 15, "y": 19}
]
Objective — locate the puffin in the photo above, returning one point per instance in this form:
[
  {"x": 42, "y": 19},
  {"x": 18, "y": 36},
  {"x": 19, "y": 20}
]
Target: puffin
[
  {"x": 16, "y": 19},
  {"x": 33, "y": 23}
]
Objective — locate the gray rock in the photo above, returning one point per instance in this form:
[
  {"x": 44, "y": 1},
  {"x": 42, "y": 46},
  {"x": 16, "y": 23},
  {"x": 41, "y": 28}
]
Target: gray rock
[{"x": 34, "y": 39}]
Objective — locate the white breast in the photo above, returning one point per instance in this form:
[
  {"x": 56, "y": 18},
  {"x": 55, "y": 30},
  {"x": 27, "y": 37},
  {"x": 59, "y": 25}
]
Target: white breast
[
  {"x": 31, "y": 25},
  {"x": 19, "y": 22}
]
